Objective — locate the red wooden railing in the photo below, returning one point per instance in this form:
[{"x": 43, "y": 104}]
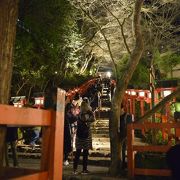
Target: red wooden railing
[
  {"x": 132, "y": 148},
  {"x": 52, "y": 140}
]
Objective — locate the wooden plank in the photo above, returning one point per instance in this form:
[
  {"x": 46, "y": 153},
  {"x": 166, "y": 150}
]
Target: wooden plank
[
  {"x": 36, "y": 176},
  {"x": 2, "y": 145},
  {"x": 45, "y": 151},
  {"x": 24, "y": 116},
  {"x": 153, "y": 172},
  {"x": 11, "y": 172},
  {"x": 151, "y": 148},
  {"x": 130, "y": 153},
  {"x": 56, "y": 163},
  {"x": 155, "y": 125},
  {"x": 59, "y": 135}
]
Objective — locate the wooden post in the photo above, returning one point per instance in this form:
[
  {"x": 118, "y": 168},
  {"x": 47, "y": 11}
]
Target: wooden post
[
  {"x": 131, "y": 105},
  {"x": 134, "y": 107},
  {"x": 130, "y": 153},
  {"x": 56, "y": 161},
  {"x": 2, "y": 143},
  {"x": 142, "y": 107},
  {"x": 45, "y": 151}
]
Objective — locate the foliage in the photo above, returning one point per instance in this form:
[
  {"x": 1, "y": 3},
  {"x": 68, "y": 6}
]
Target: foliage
[
  {"x": 140, "y": 78},
  {"x": 161, "y": 31},
  {"x": 167, "y": 61},
  {"x": 47, "y": 45}
]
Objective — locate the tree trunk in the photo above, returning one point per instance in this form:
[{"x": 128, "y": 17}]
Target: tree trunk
[
  {"x": 8, "y": 19},
  {"x": 121, "y": 86}
]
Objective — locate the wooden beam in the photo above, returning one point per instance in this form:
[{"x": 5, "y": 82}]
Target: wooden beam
[
  {"x": 153, "y": 172},
  {"x": 24, "y": 116},
  {"x": 155, "y": 125},
  {"x": 159, "y": 148},
  {"x": 36, "y": 176}
]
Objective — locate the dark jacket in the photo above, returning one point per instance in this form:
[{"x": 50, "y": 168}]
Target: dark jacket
[
  {"x": 11, "y": 134},
  {"x": 85, "y": 143},
  {"x": 69, "y": 120},
  {"x": 124, "y": 120}
]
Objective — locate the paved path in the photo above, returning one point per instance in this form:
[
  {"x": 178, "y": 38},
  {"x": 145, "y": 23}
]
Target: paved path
[{"x": 96, "y": 172}]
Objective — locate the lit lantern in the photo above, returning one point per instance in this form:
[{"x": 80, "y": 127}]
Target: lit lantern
[
  {"x": 18, "y": 104},
  {"x": 141, "y": 94},
  {"x": 166, "y": 93},
  {"x": 149, "y": 94},
  {"x": 133, "y": 93},
  {"x": 39, "y": 101}
]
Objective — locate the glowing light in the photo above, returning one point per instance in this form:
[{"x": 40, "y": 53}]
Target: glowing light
[
  {"x": 149, "y": 94},
  {"x": 108, "y": 74},
  {"x": 133, "y": 93},
  {"x": 166, "y": 93},
  {"x": 141, "y": 94},
  {"x": 39, "y": 101}
]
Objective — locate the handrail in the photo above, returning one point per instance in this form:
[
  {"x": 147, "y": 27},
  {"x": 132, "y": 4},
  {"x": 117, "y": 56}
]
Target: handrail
[
  {"x": 52, "y": 140},
  {"x": 131, "y": 148},
  {"x": 24, "y": 116}
]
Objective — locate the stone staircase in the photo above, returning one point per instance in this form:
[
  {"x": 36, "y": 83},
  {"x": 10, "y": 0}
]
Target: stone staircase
[
  {"x": 101, "y": 142},
  {"x": 100, "y": 134}
]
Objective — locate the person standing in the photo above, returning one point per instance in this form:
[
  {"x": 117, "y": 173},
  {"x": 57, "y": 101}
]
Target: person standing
[
  {"x": 173, "y": 159},
  {"x": 70, "y": 118},
  {"x": 11, "y": 138},
  {"x": 125, "y": 118},
  {"x": 83, "y": 136}
]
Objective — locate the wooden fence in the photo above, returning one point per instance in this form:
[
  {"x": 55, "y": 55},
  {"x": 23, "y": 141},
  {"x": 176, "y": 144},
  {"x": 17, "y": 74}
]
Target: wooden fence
[
  {"x": 132, "y": 148},
  {"x": 52, "y": 140}
]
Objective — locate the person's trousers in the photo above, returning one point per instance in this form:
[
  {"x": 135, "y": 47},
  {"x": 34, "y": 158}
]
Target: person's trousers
[
  {"x": 85, "y": 158},
  {"x": 123, "y": 153}
]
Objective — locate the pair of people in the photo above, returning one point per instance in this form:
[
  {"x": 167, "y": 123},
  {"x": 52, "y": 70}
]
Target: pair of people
[{"x": 83, "y": 139}]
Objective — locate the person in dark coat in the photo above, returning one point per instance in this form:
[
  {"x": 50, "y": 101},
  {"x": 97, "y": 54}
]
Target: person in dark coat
[
  {"x": 83, "y": 136},
  {"x": 125, "y": 118},
  {"x": 11, "y": 138},
  {"x": 70, "y": 118},
  {"x": 173, "y": 160}
]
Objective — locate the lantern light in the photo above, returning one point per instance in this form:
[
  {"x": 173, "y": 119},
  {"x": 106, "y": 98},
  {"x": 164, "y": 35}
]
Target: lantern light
[
  {"x": 149, "y": 95},
  {"x": 141, "y": 94},
  {"x": 39, "y": 101},
  {"x": 108, "y": 74},
  {"x": 166, "y": 93},
  {"x": 133, "y": 93}
]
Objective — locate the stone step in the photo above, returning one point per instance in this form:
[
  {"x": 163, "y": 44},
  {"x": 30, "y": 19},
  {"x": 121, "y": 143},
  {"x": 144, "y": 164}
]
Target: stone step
[
  {"x": 100, "y": 125},
  {"x": 101, "y": 139},
  {"x": 98, "y": 161},
  {"x": 102, "y": 120},
  {"x": 99, "y": 132},
  {"x": 105, "y": 135}
]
